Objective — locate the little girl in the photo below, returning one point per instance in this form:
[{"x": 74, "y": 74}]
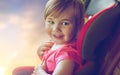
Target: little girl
[{"x": 63, "y": 20}]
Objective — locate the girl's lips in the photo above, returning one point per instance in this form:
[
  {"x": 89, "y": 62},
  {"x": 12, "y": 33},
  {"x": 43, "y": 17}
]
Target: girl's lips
[{"x": 58, "y": 36}]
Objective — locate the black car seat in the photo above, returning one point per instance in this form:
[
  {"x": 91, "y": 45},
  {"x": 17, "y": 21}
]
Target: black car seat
[{"x": 99, "y": 43}]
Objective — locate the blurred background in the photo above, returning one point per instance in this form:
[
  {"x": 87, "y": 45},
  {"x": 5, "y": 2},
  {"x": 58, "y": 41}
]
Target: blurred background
[{"x": 21, "y": 32}]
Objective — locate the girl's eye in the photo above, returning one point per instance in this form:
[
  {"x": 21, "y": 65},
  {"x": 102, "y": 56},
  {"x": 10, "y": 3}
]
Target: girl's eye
[
  {"x": 65, "y": 23},
  {"x": 50, "y": 22}
]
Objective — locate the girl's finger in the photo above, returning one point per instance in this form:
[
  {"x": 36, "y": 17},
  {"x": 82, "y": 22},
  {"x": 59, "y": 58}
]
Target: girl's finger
[{"x": 48, "y": 44}]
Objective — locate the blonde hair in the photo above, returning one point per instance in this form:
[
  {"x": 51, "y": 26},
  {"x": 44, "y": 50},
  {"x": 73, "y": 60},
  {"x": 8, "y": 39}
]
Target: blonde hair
[{"x": 61, "y": 5}]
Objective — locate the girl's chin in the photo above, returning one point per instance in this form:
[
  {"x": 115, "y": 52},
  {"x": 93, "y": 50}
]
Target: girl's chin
[{"x": 59, "y": 42}]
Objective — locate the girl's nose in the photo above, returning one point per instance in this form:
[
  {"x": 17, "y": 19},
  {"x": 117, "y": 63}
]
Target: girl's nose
[{"x": 56, "y": 28}]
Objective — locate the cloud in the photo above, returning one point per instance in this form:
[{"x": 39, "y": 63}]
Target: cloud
[
  {"x": 30, "y": 25},
  {"x": 3, "y": 19},
  {"x": 2, "y": 25},
  {"x": 25, "y": 15},
  {"x": 21, "y": 31}
]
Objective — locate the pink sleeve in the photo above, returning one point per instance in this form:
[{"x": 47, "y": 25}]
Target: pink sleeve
[{"x": 68, "y": 53}]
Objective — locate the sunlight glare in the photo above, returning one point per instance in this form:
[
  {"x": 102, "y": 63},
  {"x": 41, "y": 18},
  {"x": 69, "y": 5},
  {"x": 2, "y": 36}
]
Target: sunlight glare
[{"x": 2, "y": 70}]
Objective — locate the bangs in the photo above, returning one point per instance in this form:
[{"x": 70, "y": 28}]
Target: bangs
[{"x": 55, "y": 7}]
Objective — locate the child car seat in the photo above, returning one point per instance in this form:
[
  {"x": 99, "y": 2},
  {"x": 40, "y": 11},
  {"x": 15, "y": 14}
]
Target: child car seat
[{"x": 99, "y": 42}]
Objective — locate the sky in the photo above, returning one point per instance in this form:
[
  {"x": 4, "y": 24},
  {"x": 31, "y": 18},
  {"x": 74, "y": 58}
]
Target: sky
[{"x": 21, "y": 33}]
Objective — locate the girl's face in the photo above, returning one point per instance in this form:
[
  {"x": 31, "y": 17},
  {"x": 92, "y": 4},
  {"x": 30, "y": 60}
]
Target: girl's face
[{"x": 61, "y": 29}]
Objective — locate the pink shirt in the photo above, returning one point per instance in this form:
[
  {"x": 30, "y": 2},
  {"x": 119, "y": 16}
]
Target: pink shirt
[{"x": 53, "y": 57}]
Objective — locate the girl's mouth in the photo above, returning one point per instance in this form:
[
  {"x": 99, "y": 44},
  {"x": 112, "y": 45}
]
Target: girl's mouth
[{"x": 58, "y": 36}]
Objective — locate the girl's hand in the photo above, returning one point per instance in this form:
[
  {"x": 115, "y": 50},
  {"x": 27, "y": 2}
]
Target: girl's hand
[
  {"x": 39, "y": 71},
  {"x": 43, "y": 48}
]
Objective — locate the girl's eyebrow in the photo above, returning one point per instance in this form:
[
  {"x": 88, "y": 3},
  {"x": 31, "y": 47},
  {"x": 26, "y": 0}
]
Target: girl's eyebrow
[
  {"x": 66, "y": 20},
  {"x": 49, "y": 18}
]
